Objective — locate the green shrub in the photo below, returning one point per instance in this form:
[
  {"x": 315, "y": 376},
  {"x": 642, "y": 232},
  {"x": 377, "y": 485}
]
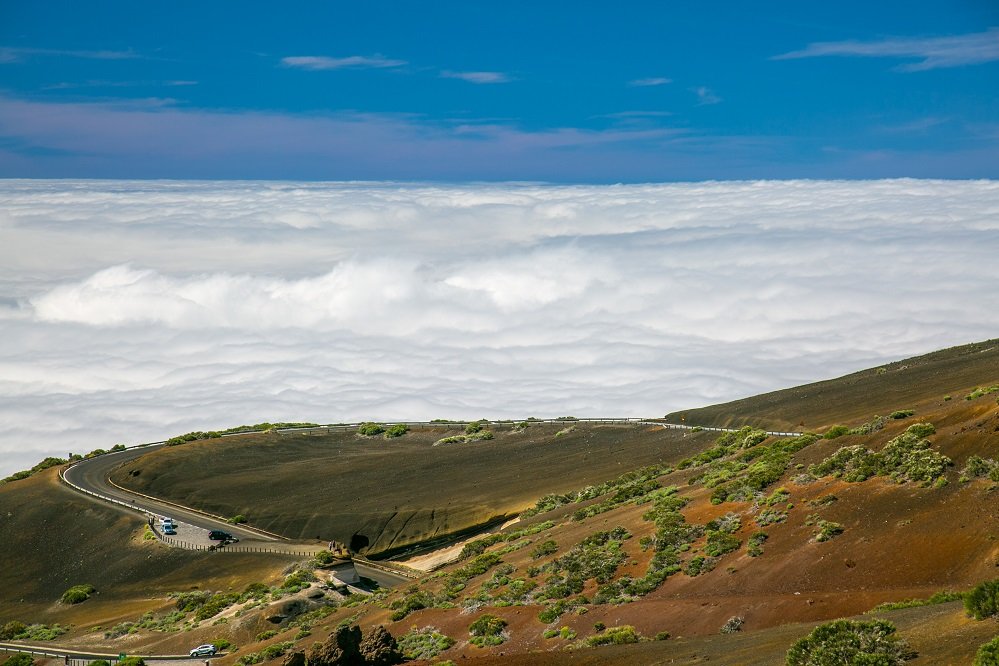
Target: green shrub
[
  {"x": 221, "y": 644},
  {"x": 132, "y": 661},
  {"x": 754, "y": 547},
  {"x": 827, "y": 530},
  {"x": 836, "y": 431},
  {"x": 983, "y": 601},
  {"x": 97, "y": 662},
  {"x": 370, "y": 429},
  {"x": 264, "y": 635},
  {"x": 875, "y": 424},
  {"x": 425, "y": 643},
  {"x": 20, "y": 659},
  {"x": 850, "y": 642},
  {"x": 987, "y": 655},
  {"x": 980, "y": 391},
  {"x": 936, "y": 598},
  {"x": 719, "y": 543},
  {"x": 902, "y": 414},
  {"x": 12, "y": 629},
  {"x": 615, "y": 636},
  {"x": 398, "y": 430},
  {"x": 77, "y": 594},
  {"x": 238, "y": 519},
  {"x": 543, "y": 549},
  {"x": 276, "y": 650},
  {"x": 487, "y": 630}
]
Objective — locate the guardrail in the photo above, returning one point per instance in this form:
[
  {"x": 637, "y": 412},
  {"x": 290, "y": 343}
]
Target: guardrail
[
  {"x": 75, "y": 658},
  {"x": 306, "y": 551}
]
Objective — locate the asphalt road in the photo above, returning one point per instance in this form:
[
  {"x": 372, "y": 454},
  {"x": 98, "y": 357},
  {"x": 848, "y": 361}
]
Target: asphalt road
[{"x": 93, "y": 475}]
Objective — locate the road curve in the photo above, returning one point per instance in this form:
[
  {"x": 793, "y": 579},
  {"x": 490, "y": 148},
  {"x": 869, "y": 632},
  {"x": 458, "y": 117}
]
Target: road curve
[{"x": 91, "y": 477}]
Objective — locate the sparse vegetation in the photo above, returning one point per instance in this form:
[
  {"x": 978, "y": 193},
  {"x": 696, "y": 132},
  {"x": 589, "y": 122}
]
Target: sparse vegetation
[
  {"x": 850, "y": 642},
  {"x": 12, "y": 630},
  {"x": 980, "y": 391},
  {"x": 237, "y": 519},
  {"x": 902, "y": 414},
  {"x": 43, "y": 465},
  {"x": 544, "y": 549},
  {"x": 937, "y": 598},
  {"x": 907, "y": 457}
]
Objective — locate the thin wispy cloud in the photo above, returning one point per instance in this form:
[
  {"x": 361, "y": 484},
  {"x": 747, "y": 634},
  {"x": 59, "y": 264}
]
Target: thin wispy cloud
[
  {"x": 131, "y": 311},
  {"x": 651, "y": 81},
  {"x": 705, "y": 96},
  {"x": 97, "y": 83},
  {"x": 10, "y": 54},
  {"x": 931, "y": 52},
  {"x": 376, "y": 61},
  {"x": 477, "y": 77}
]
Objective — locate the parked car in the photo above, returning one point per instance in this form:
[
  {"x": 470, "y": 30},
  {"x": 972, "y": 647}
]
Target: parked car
[
  {"x": 205, "y": 650},
  {"x": 219, "y": 535}
]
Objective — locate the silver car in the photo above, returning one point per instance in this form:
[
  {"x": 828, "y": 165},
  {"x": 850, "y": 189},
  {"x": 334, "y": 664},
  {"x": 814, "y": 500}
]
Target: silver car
[{"x": 205, "y": 650}]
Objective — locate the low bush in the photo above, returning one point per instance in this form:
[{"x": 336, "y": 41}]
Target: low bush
[
  {"x": 425, "y": 643},
  {"x": 398, "y": 430},
  {"x": 987, "y": 655},
  {"x": 487, "y": 630},
  {"x": 936, "y": 598},
  {"x": 836, "y": 431},
  {"x": 20, "y": 659},
  {"x": 980, "y": 391},
  {"x": 754, "y": 547},
  {"x": 264, "y": 635},
  {"x": 850, "y": 642},
  {"x": 983, "y": 601},
  {"x": 720, "y": 543},
  {"x": 77, "y": 594},
  {"x": 12, "y": 629},
  {"x": 615, "y": 636},
  {"x": 732, "y": 625},
  {"x": 237, "y": 519},
  {"x": 370, "y": 429},
  {"x": 543, "y": 549},
  {"x": 902, "y": 414},
  {"x": 827, "y": 530}
]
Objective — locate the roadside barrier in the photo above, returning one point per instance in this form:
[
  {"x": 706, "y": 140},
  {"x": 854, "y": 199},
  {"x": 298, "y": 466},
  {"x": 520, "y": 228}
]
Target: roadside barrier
[{"x": 75, "y": 658}]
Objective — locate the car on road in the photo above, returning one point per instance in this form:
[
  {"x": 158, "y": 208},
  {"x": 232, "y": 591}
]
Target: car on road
[
  {"x": 169, "y": 528},
  {"x": 205, "y": 650},
  {"x": 166, "y": 521},
  {"x": 220, "y": 535}
]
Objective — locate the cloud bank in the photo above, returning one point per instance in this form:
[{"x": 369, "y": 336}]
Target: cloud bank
[{"x": 132, "y": 311}]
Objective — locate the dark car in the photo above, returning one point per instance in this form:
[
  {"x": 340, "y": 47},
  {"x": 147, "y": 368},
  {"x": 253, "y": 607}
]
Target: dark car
[{"x": 219, "y": 535}]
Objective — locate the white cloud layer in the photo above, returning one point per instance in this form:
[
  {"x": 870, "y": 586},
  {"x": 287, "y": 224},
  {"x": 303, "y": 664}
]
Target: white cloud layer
[{"x": 132, "y": 311}]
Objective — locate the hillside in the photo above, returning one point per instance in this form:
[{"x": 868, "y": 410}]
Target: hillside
[
  {"x": 634, "y": 532},
  {"x": 384, "y": 494},
  {"x": 922, "y": 380}
]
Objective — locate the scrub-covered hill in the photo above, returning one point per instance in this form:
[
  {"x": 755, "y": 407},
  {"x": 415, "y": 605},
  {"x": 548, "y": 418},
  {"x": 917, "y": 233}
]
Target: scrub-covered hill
[{"x": 381, "y": 494}]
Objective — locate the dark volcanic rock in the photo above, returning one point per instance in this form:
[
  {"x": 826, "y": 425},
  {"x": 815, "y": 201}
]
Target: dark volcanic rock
[
  {"x": 380, "y": 649},
  {"x": 342, "y": 648}
]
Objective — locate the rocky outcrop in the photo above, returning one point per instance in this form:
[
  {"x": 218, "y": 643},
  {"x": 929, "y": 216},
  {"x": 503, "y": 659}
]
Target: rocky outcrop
[{"x": 380, "y": 649}]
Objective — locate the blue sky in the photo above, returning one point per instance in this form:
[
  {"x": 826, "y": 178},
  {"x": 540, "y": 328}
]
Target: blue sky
[{"x": 459, "y": 91}]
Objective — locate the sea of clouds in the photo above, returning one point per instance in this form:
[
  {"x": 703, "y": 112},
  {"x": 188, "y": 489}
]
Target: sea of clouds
[{"x": 131, "y": 311}]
